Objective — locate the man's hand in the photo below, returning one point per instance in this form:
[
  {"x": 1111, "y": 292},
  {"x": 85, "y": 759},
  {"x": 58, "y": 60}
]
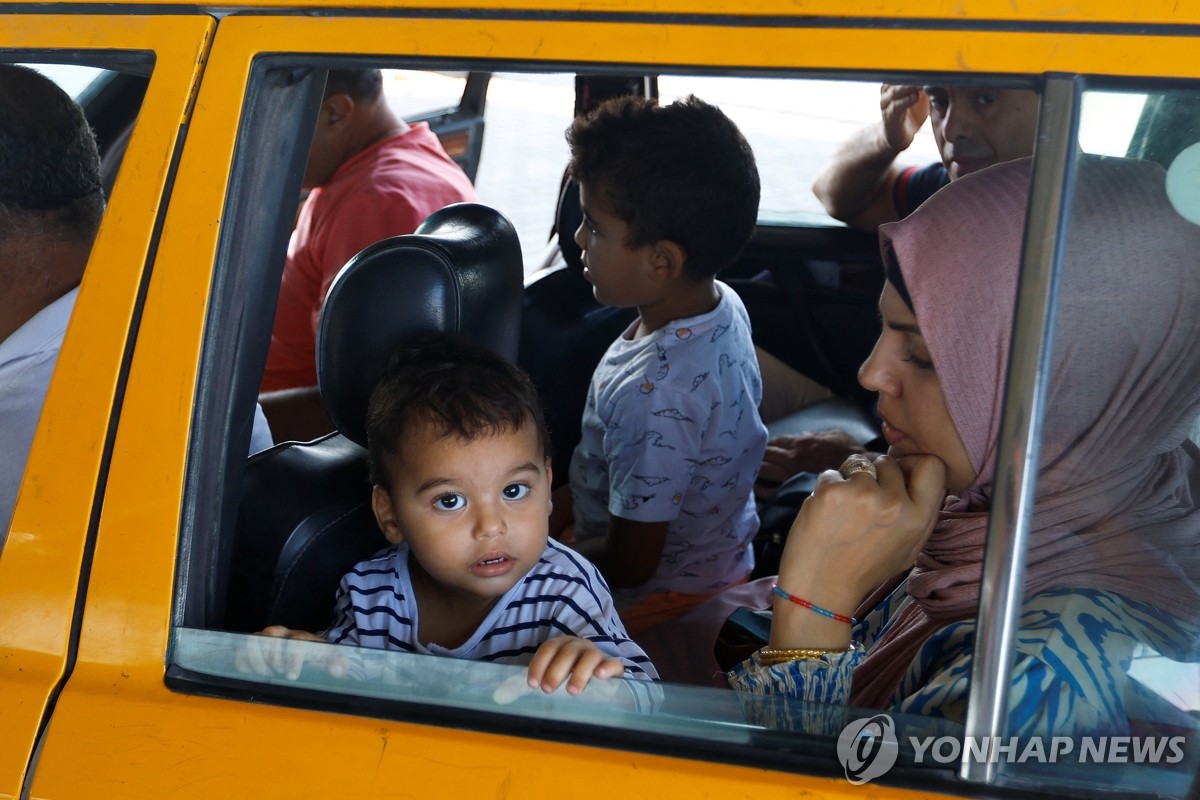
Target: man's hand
[
  {"x": 904, "y": 110},
  {"x": 807, "y": 452},
  {"x": 856, "y": 185}
]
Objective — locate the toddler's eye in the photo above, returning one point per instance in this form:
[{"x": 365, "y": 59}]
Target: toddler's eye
[
  {"x": 450, "y": 502},
  {"x": 515, "y": 491}
]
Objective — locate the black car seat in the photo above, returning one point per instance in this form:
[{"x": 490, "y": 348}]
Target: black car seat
[{"x": 305, "y": 515}]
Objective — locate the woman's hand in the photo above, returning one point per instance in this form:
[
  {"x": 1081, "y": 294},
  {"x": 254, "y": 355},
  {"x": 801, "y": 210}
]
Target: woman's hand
[{"x": 851, "y": 535}]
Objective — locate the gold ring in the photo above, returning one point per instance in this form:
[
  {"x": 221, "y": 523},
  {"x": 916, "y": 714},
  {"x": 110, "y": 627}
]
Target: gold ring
[{"x": 858, "y": 463}]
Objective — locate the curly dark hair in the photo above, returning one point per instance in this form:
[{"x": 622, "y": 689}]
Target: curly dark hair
[
  {"x": 463, "y": 389},
  {"x": 682, "y": 173},
  {"x": 49, "y": 165}
]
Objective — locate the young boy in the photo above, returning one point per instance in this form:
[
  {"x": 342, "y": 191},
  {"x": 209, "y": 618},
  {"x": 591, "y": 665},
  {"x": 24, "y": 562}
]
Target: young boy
[
  {"x": 457, "y": 448},
  {"x": 661, "y": 480}
]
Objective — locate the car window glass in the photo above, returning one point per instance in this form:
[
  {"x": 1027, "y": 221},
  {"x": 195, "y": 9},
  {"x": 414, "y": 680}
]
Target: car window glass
[
  {"x": 1108, "y": 121},
  {"x": 525, "y": 153},
  {"x": 1112, "y": 580},
  {"x": 794, "y": 127}
]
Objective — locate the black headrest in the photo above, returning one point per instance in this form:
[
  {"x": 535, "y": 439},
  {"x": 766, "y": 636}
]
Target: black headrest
[
  {"x": 567, "y": 219},
  {"x": 460, "y": 273}
]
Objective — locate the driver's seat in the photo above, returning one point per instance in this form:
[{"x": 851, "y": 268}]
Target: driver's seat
[{"x": 305, "y": 516}]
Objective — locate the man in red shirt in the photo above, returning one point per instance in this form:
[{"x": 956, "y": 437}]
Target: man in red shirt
[{"x": 371, "y": 176}]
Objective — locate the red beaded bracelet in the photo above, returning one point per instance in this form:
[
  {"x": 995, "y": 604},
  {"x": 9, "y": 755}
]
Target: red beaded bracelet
[{"x": 800, "y": 601}]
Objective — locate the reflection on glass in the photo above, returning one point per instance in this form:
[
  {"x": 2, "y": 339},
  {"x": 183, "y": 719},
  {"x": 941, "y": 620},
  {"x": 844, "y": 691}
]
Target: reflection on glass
[{"x": 1112, "y": 607}]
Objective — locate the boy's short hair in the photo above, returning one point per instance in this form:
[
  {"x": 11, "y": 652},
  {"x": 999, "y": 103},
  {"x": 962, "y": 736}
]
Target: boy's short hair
[
  {"x": 460, "y": 388},
  {"x": 681, "y": 173}
]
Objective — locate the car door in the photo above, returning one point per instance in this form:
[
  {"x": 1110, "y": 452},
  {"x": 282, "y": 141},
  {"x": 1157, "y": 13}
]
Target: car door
[{"x": 44, "y": 569}]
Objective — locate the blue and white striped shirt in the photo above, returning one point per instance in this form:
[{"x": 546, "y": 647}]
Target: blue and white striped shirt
[{"x": 563, "y": 595}]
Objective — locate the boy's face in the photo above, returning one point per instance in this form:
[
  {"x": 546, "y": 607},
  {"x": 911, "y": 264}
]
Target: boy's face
[
  {"x": 620, "y": 276},
  {"x": 475, "y": 513}
]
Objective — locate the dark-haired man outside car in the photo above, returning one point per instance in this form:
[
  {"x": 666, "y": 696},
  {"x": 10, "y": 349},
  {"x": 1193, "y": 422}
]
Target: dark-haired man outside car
[{"x": 974, "y": 127}]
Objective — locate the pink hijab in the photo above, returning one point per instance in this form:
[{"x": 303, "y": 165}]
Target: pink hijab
[{"x": 1115, "y": 508}]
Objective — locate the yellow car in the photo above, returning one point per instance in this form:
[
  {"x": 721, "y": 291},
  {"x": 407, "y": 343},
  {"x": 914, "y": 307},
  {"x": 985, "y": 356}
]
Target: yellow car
[{"x": 123, "y": 598}]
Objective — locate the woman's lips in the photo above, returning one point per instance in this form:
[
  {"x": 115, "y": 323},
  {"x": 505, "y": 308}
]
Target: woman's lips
[{"x": 891, "y": 434}]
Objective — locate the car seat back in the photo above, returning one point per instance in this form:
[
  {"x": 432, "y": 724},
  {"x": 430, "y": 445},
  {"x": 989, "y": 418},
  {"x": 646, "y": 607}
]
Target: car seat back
[{"x": 305, "y": 516}]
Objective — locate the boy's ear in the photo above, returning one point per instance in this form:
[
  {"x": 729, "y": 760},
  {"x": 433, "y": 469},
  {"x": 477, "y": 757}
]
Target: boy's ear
[
  {"x": 385, "y": 515},
  {"x": 666, "y": 259}
]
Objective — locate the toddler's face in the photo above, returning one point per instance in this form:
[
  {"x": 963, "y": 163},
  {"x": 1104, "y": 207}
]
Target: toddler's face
[{"x": 475, "y": 512}]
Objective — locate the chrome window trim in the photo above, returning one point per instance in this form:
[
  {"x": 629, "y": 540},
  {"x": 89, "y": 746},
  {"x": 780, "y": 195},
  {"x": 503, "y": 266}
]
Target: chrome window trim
[{"x": 1020, "y": 426}]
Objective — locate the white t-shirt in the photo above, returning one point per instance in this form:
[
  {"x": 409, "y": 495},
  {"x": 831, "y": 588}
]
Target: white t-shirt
[
  {"x": 27, "y": 360},
  {"x": 671, "y": 433}
]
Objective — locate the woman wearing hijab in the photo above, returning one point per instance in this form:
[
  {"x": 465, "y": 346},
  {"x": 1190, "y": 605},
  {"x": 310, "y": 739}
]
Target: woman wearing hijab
[{"x": 1114, "y": 552}]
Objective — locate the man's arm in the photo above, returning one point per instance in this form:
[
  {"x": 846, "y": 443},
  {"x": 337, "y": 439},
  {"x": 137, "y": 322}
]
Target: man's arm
[
  {"x": 628, "y": 555},
  {"x": 857, "y": 184}
]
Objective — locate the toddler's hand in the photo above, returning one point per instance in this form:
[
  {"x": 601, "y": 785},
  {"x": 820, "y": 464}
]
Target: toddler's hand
[
  {"x": 564, "y": 656},
  {"x": 271, "y": 652}
]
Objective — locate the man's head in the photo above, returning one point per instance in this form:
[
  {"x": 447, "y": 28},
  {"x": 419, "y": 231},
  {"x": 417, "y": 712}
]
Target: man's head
[
  {"x": 51, "y": 200},
  {"x": 977, "y": 127},
  {"x": 49, "y": 166},
  {"x": 681, "y": 173},
  {"x": 353, "y": 113}
]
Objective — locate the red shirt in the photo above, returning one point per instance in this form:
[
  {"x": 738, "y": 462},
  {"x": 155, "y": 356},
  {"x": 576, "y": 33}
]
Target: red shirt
[{"x": 386, "y": 190}]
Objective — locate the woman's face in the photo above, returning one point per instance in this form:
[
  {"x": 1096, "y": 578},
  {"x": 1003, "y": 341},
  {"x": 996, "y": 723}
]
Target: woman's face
[{"x": 911, "y": 403}]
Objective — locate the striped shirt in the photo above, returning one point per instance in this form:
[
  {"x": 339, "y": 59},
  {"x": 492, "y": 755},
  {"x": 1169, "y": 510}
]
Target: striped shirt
[{"x": 563, "y": 595}]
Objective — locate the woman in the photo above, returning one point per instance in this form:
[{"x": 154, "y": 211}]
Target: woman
[{"x": 1114, "y": 555}]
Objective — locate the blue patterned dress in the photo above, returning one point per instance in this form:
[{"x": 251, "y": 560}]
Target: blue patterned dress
[{"x": 1075, "y": 650}]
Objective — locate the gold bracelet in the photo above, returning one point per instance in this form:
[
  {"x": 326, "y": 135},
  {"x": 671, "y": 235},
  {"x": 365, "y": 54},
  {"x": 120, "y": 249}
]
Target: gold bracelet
[{"x": 770, "y": 656}]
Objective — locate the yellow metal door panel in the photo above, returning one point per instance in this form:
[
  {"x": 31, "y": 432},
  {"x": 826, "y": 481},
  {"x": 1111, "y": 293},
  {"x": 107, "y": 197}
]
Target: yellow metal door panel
[
  {"x": 780, "y": 46},
  {"x": 40, "y": 571},
  {"x": 1118, "y": 12},
  {"x": 117, "y": 727}
]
